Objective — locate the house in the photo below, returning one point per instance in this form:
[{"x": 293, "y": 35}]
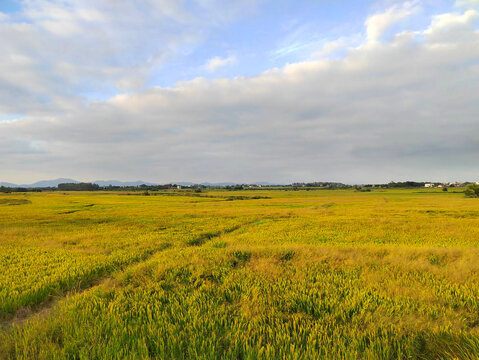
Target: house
[{"x": 429, "y": 185}]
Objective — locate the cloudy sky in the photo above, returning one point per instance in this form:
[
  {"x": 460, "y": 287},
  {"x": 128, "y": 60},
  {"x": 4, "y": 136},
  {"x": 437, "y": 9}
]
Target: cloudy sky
[{"x": 241, "y": 90}]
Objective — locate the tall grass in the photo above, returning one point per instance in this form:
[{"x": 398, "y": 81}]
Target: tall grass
[{"x": 288, "y": 275}]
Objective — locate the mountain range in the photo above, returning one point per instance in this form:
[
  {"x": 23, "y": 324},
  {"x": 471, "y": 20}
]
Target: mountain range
[{"x": 55, "y": 182}]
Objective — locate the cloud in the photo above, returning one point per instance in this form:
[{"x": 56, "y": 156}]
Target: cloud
[
  {"x": 405, "y": 108},
  {"x": 468, "y": 3},
  {"x": 337, "y": 48},
  {"x": 97, "y": 46},
  {"x": 450, "y": 27},
  {"x": 217, "y": 62},
  {"x": 302, "y": 39},
  {"x": 377, "y": 24}
]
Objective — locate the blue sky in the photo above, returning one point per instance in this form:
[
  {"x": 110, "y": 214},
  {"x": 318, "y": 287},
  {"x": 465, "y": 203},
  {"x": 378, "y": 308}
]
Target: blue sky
[
  {"x": 272, "y": 26},
  {"x": 262, "y": 36},
  {"x": 10, "y": 6},
  {"x": 246, "y": 86}
]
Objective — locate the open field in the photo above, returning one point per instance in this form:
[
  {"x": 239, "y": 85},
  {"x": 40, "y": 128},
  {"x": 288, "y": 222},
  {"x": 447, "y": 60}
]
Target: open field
[{"x": 390, "y": 274}]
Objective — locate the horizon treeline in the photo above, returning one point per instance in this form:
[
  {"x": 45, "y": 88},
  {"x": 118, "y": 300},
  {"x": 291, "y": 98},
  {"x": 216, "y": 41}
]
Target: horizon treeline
[{"x": 88, "y": 186}]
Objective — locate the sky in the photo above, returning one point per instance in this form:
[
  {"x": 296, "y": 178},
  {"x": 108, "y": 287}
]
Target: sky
[{"x": 283, "y": 91}]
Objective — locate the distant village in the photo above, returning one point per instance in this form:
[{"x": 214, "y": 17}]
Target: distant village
[{"x": 450, "y": 184}]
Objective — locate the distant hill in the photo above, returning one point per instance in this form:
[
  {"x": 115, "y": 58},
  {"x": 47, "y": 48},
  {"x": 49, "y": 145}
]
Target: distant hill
[
  {"x": 43, "y": 183},
  {"x": 187, "y": 183},
  {"x": 104, "y": 183},
  {"x": 122, "y": 183},
  {"x": 55, "y": 182},
  {"x": 51, "y": 183},
  {"x": 182, "y": 183},
  {"x": 220, "y": 184},
  {"x": 8, "y": 184}
]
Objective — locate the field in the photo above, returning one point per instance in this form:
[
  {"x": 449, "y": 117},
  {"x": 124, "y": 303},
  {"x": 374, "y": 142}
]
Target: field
[{"x": 389, "y": 274}]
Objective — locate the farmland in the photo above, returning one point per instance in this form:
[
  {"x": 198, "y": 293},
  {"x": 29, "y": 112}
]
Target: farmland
[{"x": 387, "y": 274}]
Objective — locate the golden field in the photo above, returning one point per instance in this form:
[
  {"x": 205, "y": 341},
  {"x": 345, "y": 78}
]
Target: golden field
[{"x": 270, "y": 274}]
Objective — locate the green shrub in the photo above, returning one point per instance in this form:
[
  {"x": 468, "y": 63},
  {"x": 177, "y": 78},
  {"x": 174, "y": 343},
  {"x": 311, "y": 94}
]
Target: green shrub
[{"x": 472, "y": 190}]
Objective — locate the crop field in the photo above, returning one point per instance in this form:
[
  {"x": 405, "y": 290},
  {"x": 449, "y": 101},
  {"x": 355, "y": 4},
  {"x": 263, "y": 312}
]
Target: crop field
[{"x": 270, "y": 274}]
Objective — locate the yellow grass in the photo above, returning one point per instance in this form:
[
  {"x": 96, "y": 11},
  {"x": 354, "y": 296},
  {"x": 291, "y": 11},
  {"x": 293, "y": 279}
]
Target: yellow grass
[{"x": 391, "y": 274}]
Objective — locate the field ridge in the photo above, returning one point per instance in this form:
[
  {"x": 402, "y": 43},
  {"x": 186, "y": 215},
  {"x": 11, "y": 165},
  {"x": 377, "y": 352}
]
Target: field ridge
[
  {"x": 43, "y": 308},
  {"x": 23, "y": 314}
]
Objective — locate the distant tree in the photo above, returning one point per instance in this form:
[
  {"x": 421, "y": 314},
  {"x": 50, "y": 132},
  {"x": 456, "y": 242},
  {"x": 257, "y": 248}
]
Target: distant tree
[
  {"x": 472, "y": 190},
  {"x": 406, "y": 184},
  {"x": 444, "y": 188},
  {"x": 4, "y": 189},
  {"x": 78, "y": 187}
]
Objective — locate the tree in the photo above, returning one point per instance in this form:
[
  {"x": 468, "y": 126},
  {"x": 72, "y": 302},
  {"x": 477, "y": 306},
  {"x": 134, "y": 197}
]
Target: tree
[
  {"x": 78, "y": 187},
  {"x": 472, "y": 190}
]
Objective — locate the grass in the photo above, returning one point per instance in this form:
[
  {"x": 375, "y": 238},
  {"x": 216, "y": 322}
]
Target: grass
[{"x": 284, "y": 275}]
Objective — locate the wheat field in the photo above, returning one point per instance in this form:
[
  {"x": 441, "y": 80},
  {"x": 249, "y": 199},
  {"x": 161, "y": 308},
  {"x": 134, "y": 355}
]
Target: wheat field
[{"x": 270, "y": 274}]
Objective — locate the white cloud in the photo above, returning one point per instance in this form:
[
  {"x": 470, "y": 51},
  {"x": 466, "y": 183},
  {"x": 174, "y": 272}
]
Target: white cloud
[
  {"x": 400, "y": 109},
  {"x": 337, "y": 48},
  {"x": 468, "y": 3},
  {"x": 217, "y": 62},
  {"x": 377, "y": 24},
  {"x": 301, "y": 40},
  {"x": 97, "y": 46},
  {"x": 451, "y": 27}
]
